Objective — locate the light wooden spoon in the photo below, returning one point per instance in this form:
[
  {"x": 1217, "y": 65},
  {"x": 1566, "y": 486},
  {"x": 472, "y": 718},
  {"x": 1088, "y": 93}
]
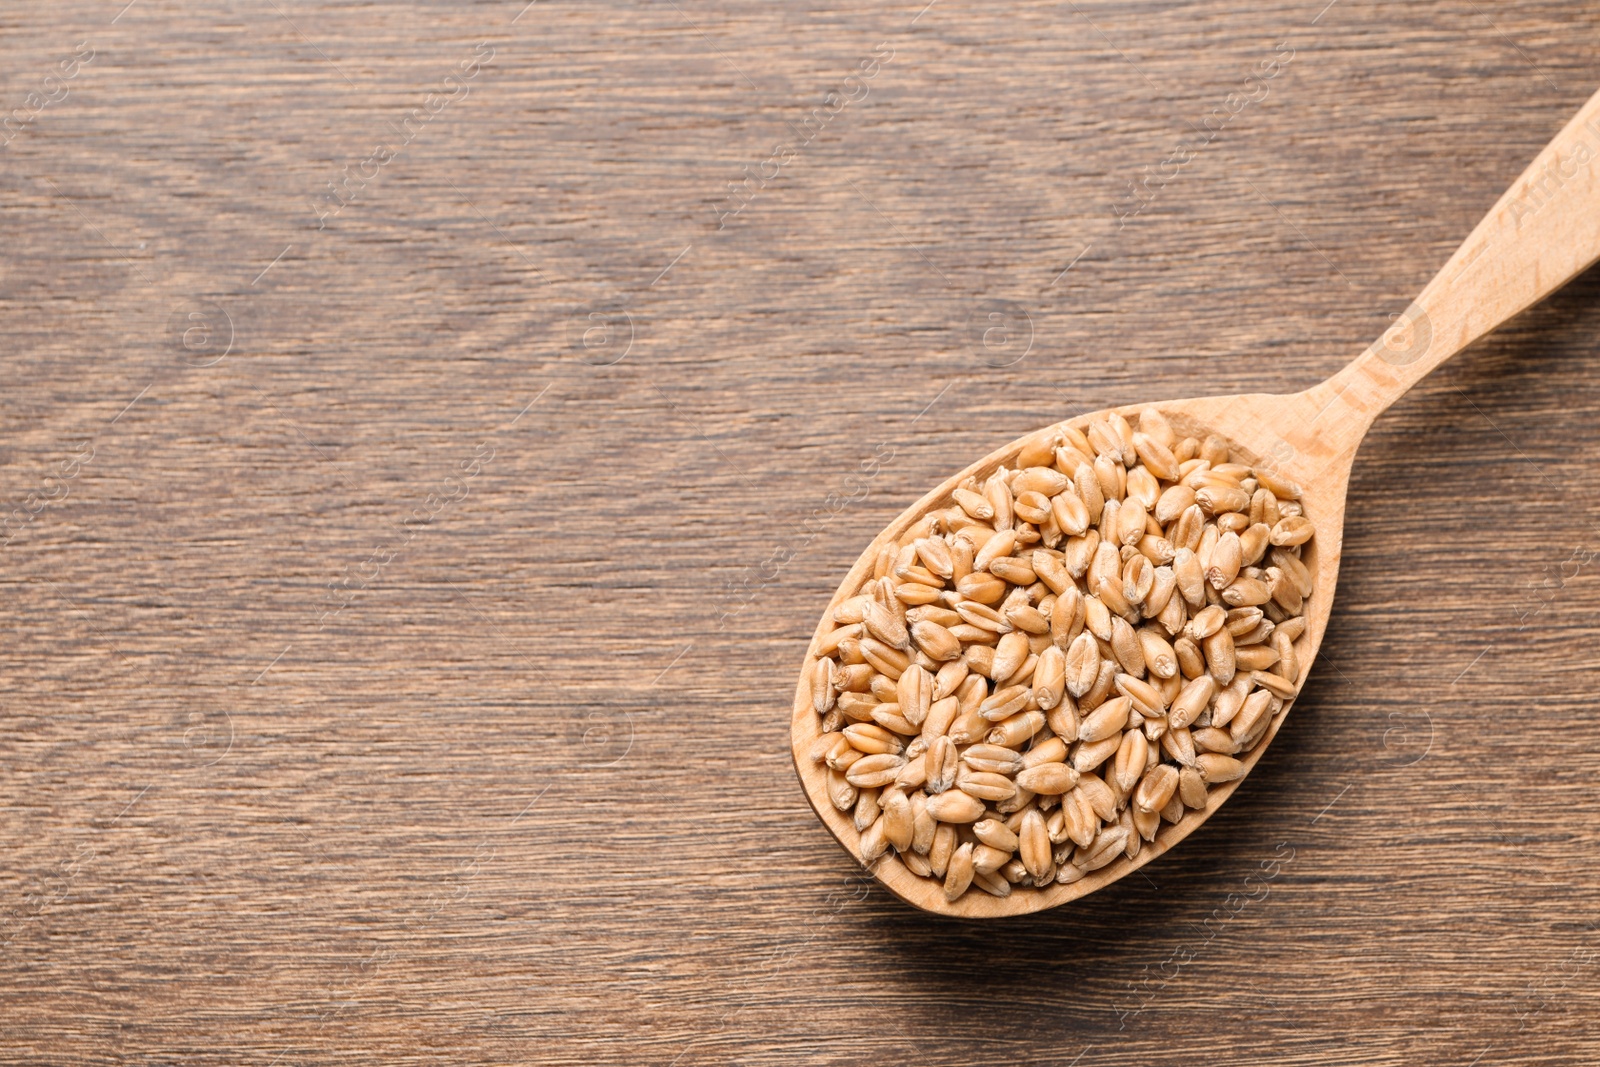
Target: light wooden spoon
[{"x": 1543, "y": 232}]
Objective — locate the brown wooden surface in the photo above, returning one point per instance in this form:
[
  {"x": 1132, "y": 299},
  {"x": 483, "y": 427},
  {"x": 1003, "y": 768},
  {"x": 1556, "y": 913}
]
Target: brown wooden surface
[{"x": 520, "y": 790}]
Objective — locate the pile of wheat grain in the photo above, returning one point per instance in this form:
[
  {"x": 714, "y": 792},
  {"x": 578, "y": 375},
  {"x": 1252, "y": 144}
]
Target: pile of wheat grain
[{"x": 1068, "y": 654}]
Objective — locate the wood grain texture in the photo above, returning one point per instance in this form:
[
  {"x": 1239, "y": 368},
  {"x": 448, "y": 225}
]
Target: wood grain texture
[{"x": 318, "y": 745}]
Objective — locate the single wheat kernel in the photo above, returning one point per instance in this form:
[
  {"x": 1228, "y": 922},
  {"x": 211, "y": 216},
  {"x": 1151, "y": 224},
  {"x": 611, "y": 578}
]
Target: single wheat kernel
[{"x": 959, "y": 874}]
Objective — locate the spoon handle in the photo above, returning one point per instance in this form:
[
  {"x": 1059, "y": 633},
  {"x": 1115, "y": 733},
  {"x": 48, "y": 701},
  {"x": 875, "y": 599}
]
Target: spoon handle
[{"x": 1543, "y": 233}]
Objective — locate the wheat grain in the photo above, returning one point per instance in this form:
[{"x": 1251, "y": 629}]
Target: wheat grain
[
  {"x": 840, "y": 760},
  {"x": 986, "y": 785},
  {"x": 992, "y": 883},
  {"x": 1177, "y": 744},
  {"x": 867, "y": 809},
  {"x": 1047, "y": 750},
  {"x": 1048, "y": 778},
  {"x": 914, "y": 775},
  {"x": 1276, "y": 684},
  {"x": 956, "y": 807},
  {"x": 1034, "y": 848},
  {"x": 1063, "y": 657},
  {"x": 1089, "y": 755},
  {"x": 871, "y": 739},
  {"x": 888, "y": 716},
  {"x": 1016, "y": 730},
  {"x": 1215, "y": 767},
  {"x": 959, "y": 875}
]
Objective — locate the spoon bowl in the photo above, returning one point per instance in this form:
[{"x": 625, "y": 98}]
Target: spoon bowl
[
  {"x": 1540, "y": 235},
  {"x": 1235, "y": 419}
]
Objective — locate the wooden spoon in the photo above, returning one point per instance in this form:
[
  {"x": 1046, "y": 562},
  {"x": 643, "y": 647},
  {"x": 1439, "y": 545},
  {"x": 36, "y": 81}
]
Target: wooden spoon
[{"x": 1543, "y": 232}]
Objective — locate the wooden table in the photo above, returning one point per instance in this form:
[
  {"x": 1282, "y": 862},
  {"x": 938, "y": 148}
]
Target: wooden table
[{"x": 430, "y": 431}]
